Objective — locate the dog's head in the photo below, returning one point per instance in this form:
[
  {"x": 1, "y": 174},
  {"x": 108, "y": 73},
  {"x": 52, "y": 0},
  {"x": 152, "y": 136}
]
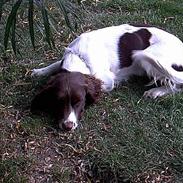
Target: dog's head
[{"x": 65, "y": 97}]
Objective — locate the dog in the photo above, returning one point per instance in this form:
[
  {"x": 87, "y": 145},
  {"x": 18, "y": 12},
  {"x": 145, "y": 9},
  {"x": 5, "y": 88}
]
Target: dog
[{"x": 99, "y": 60}]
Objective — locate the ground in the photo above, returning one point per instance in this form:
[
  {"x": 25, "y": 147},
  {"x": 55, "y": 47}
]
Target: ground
[{"x": 122, "y": 138}]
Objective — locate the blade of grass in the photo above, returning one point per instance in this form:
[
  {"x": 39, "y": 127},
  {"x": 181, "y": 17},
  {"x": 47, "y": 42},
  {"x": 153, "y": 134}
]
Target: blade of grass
[
  {"x": 39, "y": 28},
  {"x": 9, "y": 23},
  {"x": 31, "y": 24}
]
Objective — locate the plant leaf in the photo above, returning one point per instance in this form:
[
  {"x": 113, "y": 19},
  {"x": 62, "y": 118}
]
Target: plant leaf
[
  {"x": 64, "y": 11},
  {"x": 31, "y": 23},
  {"x": 46, "y": 25},
  {"x": 9, "y": 23},
  {"x": 13, "y": 39}
]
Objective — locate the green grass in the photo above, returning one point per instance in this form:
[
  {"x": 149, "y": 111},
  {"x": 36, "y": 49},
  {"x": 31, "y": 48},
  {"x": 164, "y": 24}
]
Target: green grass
[
  {"x": 141, "y": 135},
  {"x": 123, "y": 138},
  {"x": 10, "y": 170}
]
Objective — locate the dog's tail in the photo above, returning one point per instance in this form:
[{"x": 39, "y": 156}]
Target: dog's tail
[{"x": 160, "y": 70}]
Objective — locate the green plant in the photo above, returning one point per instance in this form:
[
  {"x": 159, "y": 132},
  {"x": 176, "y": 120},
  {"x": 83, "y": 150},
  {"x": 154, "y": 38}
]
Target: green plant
[{"x": 29, "y": 9}]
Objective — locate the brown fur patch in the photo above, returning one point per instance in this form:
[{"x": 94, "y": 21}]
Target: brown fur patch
[
  {"x": 178, "y": 68},
  {"x": 94, "y": 89},
  {"x": 138, "y": 40}
]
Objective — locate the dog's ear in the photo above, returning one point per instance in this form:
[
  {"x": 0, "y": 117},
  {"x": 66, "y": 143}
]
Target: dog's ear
[
  {"x": 93, "y": 89},
  {"x": 44, "y": 100}
]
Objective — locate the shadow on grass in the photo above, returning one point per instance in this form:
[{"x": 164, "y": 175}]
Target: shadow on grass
[{"x": 103, "y": 173}]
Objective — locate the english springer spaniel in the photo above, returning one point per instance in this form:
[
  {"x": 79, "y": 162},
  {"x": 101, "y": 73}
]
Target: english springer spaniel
[{"x": 99, "y": 60}]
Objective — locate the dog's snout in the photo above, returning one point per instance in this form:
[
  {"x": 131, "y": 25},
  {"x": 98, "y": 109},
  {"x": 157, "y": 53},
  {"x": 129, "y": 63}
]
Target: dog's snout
[{"x": 68, "y": 125}]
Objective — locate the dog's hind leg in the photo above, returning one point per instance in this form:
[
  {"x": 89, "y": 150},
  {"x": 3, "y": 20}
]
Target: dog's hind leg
[
  {"x": 161, "y": 91},
  {"x": 158, "y": 92},
  {"x": 159, "y": 70},
  {"x": 47, "y": 71}
]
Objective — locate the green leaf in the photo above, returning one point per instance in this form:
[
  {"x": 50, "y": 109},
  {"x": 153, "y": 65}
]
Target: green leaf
[
  {"x": 31, "y": 24},
  {"x": 9, "y": 23},
  {"x": 64, "y": 11},
  {"x": 13, "y": 39},
  {"x": 46, "y": 25}
]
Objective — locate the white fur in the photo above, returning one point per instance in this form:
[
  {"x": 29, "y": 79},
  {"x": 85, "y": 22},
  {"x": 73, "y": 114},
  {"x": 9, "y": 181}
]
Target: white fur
[
  {"x": 96, "y": 53},
  {"x": 72, "y": 118}
]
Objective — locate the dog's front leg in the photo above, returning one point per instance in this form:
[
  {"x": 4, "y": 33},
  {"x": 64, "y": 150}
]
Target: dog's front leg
[{"x": 47, "y": 71}]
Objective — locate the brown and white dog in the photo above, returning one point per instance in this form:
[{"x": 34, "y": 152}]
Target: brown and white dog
[{"x": 99, "y": 60}]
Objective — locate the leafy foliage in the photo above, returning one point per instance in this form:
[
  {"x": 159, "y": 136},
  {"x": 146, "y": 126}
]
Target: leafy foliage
[{"x": 31, "y": 5}]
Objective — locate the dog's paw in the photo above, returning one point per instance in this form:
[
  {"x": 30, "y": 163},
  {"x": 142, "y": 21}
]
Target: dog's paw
[
  {"x": 107, "y": 81},
  {"x": 155, "y": 93},
  {"x": 107, "y": 87},
  {"x": 37, "y": 73}
]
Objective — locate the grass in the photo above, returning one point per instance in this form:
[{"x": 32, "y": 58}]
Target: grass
[{"x": 123, "y": 138}]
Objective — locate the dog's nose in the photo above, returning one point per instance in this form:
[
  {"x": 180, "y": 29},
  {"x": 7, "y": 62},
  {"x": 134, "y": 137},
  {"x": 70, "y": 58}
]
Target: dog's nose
[{"x": 68, "y": 125}]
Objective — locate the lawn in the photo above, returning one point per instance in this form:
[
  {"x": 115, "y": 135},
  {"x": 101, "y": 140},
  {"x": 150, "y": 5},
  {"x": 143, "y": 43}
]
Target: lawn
[{"x": 122, "y": 138}]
